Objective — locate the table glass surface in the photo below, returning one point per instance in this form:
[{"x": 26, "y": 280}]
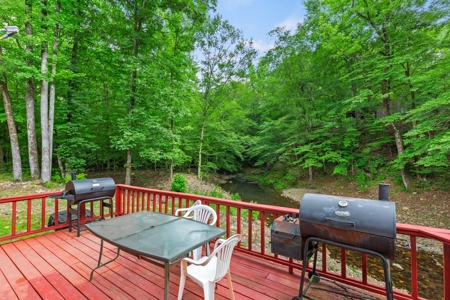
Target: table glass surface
[{"x": 159, "y": 236}]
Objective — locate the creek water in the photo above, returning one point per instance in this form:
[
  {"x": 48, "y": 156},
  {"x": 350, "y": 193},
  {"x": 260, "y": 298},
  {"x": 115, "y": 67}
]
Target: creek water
[
  {"x": 262, "y": 194},
  {"x": 430, "y": 263}
]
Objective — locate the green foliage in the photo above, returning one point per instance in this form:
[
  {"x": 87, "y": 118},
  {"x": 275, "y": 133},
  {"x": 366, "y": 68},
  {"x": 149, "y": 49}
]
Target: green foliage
[
  {"x": 235, "y": 196},
  {"x": 340, "y": 94},
  {"x": 255, "y": 214},
  {"x": 290, "y": 177},
  {"x": 341, "y": 169},
  {"x": 277, "y": 183},
  {"x": 179, "y": 183},
  {"x": 51, "y": 185},
  {"x": 57, "y": 178},
  {"x": 361, "y": 181},
  {"x": 216, "y": 192},
  {"x": 80, "y": 176}
]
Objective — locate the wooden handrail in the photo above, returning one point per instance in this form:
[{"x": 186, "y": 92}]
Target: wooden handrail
[{"x": 250, "y": 219}]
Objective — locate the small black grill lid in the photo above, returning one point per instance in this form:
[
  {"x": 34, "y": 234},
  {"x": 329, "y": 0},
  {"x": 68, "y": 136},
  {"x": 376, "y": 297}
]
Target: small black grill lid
[{"x": 77, "y": 190}]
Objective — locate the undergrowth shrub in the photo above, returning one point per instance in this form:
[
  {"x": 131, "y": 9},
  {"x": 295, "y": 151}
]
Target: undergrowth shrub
[{"x": 179, "y": 183}]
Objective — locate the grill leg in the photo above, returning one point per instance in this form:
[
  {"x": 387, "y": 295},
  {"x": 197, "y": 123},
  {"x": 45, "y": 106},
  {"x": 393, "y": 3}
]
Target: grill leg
[
  {"x": 304, "y": 263},
  {"x": 107, "y": 205},
  {"x": 315, "y": 256},
  {"x": 386, "y": 265},
  {"x": 78, "y": 219},
  {"x": 69, "y": 216},
  {"x": 387, "y": 278}
]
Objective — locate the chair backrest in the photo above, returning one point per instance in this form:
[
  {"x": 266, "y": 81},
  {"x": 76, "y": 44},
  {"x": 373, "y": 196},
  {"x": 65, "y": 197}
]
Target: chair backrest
[
  {"x": 201, "y": 213},
  {"x": 223, "y": 253}
]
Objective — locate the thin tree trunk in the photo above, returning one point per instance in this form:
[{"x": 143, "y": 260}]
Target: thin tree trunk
[
  {"x": 173, "y": 146},
  {"x": 199, "y": 171},
  {"x": 310, "y": 172},
  {"x": 30, "y": 100},
  {"x": 15, "y": 150},
  {"x": 61, "y": 167},
  {"x": 128, "y": 169},
  {"x": 1, "y": 154},
  {"x": 400, "y": 149}
]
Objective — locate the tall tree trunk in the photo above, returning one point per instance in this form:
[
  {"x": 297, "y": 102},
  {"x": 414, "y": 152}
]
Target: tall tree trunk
[
  {"x": 173, "y": 147},
  {"x": 136, "y": 42},
  {"x": 383, "y": 34},
  {"x": 199, "y": 171},
  {"x": 15, "y": 150},
  {"x": 30, "y": 100},
  {"x": 45, "y": 176},
  {"x": 413, "y": 106},
  {"x": 51, "y": 112},
  {"x": 1, "y": 155},
  {"x": 45, "y": 162}
]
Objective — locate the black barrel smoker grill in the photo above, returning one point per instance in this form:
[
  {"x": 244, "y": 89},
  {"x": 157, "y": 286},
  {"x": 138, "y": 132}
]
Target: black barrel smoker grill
[
  {"x": 79, "y": 192},
  {"x": 367, "y": 226}
]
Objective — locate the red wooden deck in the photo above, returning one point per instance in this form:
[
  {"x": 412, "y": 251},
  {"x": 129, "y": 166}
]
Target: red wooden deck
[{"x": 58, "y": 265}]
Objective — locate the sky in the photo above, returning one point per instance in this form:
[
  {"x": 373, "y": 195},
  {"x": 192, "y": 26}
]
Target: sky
[{"x": 256, "y": 18}]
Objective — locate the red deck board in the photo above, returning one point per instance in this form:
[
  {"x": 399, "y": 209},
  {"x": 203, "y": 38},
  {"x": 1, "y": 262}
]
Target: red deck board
[
  {"x": 36, "y": 279},
  {"x": 22, "y": 288},
  {"x": 48, "y": 251},
  {"x": 56, "y": 279},
  {"x": 113, "y": 285},
  {"x": 6, "y": 291},
  {"x": 121, "y": 272}
]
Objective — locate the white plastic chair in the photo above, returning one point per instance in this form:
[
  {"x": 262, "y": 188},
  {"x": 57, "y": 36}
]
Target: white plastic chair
[
  {"x": 210, "y": 269},
  {"x": 201, "y": 213}
]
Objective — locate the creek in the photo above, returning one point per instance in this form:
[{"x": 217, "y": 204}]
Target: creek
[{"x": 430, "y": 263}]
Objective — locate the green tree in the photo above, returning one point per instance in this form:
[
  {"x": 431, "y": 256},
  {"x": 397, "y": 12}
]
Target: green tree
[{"x": 224, "y": 57}]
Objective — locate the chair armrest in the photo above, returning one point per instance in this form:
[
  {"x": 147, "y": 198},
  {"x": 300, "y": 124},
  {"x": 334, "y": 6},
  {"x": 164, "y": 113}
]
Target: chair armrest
[
  {"x": 201, "y": 262},
  {"x": 217, "y": 243},
  {"x": 180, "y": 210}
]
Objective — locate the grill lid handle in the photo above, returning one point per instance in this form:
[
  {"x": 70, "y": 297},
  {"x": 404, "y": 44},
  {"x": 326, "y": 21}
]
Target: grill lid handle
[{"x": 340, "y": 221}]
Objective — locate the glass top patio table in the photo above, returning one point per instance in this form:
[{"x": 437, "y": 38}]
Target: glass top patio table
[{"x": 161, "y": 237}]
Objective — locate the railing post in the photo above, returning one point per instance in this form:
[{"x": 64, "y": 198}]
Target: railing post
[
  {"x": 446, "y": 272},
  {"x": 118, "y": 211}
]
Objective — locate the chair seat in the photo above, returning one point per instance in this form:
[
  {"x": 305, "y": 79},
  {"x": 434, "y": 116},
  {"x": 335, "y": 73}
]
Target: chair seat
[{"x": 203, "y": 274}]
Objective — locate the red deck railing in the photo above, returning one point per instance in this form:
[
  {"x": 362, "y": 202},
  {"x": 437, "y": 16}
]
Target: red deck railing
[{"x": 28, "y": 215}]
